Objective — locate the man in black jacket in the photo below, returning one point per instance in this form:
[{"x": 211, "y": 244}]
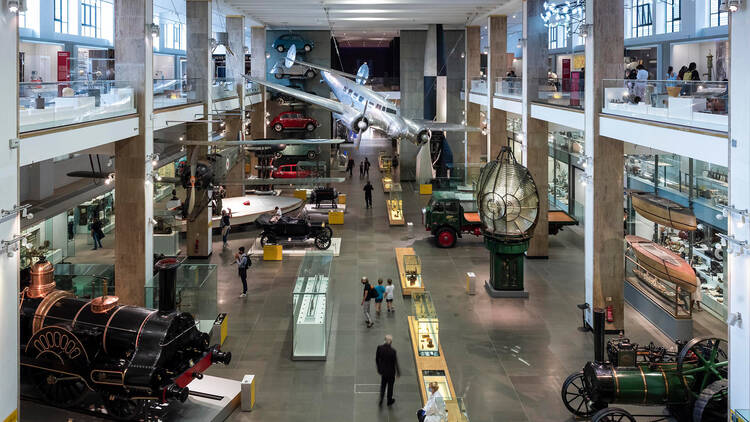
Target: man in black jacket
[{"x": 385, "y": 359}]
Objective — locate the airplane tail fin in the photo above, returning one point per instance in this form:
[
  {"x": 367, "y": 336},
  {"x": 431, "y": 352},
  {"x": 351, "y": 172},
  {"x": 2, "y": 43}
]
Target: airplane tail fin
[
  {"x": 362, "y": 74},
  {"x": 291, "y": 56}
]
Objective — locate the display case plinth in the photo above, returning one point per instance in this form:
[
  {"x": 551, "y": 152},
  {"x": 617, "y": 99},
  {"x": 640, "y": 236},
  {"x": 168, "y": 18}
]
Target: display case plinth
[
  {"x": 296, "y": 249},
  {"x": 677, "y": 328},
  {"x": 523, "y": 294}
]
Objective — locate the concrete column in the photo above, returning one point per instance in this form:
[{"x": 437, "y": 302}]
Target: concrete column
[
  {"x": 258, "y": 125},
  {"x": 200, "y": 68},
  {"x": 9, "y": 196},
  {"x": 535, "y": 131},
  {"x": 235, "y": 123},
  {"x": 604, "y": 263},
  {"x": 435, "y": 93},
  {"x": 738, "y": 292},
  {"x": 454, "y": 40},
  {"x": 497, "y": 67},
  {"x": 411, "y": 50},
  {"x": 39, "y": 180},
  {"x": 135, "y": 191},
  {"x": 475, "y": 141}
]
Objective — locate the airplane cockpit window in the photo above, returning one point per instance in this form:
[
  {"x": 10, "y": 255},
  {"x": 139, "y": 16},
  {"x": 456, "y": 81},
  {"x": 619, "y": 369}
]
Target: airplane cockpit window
[{"x": 390, "y": 110}]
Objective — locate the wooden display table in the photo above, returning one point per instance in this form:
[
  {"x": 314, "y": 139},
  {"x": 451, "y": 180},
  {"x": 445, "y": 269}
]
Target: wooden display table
[{"x": 406, "y": 286}]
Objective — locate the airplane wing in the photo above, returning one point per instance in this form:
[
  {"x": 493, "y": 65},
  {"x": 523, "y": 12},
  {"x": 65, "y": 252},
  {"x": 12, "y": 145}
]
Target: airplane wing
[
  {"x": 326, "y": 103},
  {"x": 447, "y": 127}
]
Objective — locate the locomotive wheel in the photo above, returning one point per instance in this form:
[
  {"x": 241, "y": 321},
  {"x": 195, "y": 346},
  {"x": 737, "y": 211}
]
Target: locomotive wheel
[
  {"x": 446, "y": 237},
  {"x": 124, "y": 409},
  {"x": 577, "y": 398},
  {"x": 612, "y": 414},
  {"x": 59, "y": 389},
  {"x": 704, "y": 361},
  {"x": 323, "y": 242},
  {"x": 711, "y": 405}
]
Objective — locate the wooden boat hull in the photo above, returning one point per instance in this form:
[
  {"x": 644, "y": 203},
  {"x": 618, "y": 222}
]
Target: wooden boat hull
[
  {"x": 663, "y": 211},
  {"x": 663, "y": 263}
]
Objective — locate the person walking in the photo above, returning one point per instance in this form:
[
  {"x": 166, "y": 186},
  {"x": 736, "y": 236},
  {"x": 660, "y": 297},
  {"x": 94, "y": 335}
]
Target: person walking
[
  {"x": 243, "y": 263},
  {"x": 350, "y": 166},
  {"x": 225, "y": 227},
  {"x": 367, "y": 167},
  {"x": 434, "y": 409},
  {"x": 361, "y": 169},
  {"x": 387, "y": 364},
  {"x": 379, "y": 300},
  {"x": 389, "y": 295},
  {"x": 97, "y": 233},
  {"x": 368, "y": 194},
  {"x": 368, "y": 293}
]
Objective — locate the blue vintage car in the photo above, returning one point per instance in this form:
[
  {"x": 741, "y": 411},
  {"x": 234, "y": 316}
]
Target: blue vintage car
[{"x": 285, "y": 41}]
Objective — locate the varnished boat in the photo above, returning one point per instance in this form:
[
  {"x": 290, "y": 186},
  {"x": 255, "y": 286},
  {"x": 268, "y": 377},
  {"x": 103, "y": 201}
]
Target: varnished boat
[
  {"x": 663, "y": 263},
  {"x": 663, "y": 211}
]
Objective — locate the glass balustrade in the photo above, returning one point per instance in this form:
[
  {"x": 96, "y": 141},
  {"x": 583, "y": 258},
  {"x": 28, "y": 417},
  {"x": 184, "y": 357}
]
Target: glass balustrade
[
  {"x": 510, "y": 87},
  {"x": 44, "y": 105},
  {"x": 478, "y": 86},
  {"x": 223, "y": 88},
  {"x": 174, "y": 92},
  {"x": 701, "y": 104},
  {"x": 564, "y": 92}
]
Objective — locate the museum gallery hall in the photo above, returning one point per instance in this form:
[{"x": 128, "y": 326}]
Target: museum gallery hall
[{"x": 389, "y": 210}]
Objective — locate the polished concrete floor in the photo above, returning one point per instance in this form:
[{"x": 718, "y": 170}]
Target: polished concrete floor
[{"x": 507, "y": 357}]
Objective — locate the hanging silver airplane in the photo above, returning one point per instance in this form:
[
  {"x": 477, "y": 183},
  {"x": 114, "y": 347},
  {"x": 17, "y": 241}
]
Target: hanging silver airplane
[{"x": 360, "y": 108}]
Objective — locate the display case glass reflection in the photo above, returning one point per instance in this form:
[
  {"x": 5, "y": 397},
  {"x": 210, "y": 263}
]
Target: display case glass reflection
[
  {"x": 395, "y": 202},
  {"x": 425, "y": 324},
  {"x": 413, "y": 270},
  {"x": 311, "y": 310},
  {"x": 670, "y": 296},
  {"x": 441, "y": 380}
]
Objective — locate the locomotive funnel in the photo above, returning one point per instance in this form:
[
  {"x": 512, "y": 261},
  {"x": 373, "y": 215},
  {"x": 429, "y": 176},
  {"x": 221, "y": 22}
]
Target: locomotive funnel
[{"x": 167, "y": 284}]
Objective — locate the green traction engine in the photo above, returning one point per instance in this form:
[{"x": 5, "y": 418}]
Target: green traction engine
[
  {"x": 690, "y": 382},
  {"x": 508, "y": 205}
]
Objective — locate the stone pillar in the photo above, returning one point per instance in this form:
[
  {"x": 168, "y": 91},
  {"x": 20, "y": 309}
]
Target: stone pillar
[
  {"x": 9, "y": 197},
  {"x": 135, "y": 189},
  {"x": 738, "y": 293},
  {"x": 200, "y": 68},
  {"x": 497, "y": 67},
  {"x": 534, "y": 131},
  {"x": 475, "y": 141},
  {"x": 455, "y": 64},
  {"x": 258, "y": 124},
  {"x": 604, "y": 263},
  {"x": 235, "y": 123},
  {"x": 411, "y": 51}
]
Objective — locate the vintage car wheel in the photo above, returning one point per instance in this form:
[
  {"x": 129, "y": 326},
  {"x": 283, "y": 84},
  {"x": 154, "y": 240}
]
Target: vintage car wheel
[
  {"x": 577, "y": 398},
  {"x": 309, "y": 73},
  {"x": 280, "y": 48},
  {"x": 329, "y": 231},
  {"x": 613, "y": 414},
  {"x": 278, "y": 75},
  {"x": 267, "y": 239},
  {"x": 278, "y": 127},
  {"x": 322, "y": 242},
  {"x": 446, "y": 237},
  {"x": 705, "y": 360},
  {"x": 311, "y": 155},
  {"x": 711, "y": 405},
  {"x": 307, "y": 47},
  {"x": 310, "y": 127}
]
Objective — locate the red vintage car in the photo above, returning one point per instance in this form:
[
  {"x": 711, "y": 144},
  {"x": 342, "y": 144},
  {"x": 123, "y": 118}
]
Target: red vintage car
[
  {"x": 290, "y": 171},
  {"x": 293, "y": 120}
]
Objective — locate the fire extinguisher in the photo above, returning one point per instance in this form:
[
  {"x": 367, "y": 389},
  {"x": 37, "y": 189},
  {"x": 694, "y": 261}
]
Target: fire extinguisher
[
  {"x": 196, "y": 245},
  {"x": 610, "y": 314}
]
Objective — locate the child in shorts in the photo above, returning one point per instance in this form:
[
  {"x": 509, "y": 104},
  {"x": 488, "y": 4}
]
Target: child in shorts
[{"x": 389, "y": 295}]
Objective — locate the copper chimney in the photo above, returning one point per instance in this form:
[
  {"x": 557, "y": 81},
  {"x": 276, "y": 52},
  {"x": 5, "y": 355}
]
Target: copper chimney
[{"x": 42, "y": 279}]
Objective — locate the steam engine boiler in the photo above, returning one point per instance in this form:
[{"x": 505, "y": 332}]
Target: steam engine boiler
[{"x": 84, "y": 353}]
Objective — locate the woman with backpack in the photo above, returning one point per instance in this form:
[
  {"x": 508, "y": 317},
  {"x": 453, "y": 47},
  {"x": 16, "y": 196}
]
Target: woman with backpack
[{"x": 367, "y": 294}]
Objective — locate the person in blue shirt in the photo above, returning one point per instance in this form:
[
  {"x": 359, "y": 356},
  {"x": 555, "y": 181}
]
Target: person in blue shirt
[{"x": 379, "y": 300}]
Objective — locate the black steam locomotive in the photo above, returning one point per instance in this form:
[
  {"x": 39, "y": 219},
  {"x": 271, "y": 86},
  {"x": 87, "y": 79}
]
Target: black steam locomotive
[{"x": 80, "y": 353}]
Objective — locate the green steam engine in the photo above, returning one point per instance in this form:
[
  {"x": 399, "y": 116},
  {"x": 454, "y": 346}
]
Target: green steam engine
[{"x": 690, "y": 382}]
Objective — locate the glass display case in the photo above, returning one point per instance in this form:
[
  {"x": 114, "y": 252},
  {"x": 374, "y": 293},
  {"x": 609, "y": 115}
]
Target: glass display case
[
  {"x": 196, "y": 292},
  {"x": 86, "y": 281},
  {"x": 311, "y": 310},
  {"x": 395, "y": 205},
  {"x": 669, "y": 296},
  {"x": 425, "y": 322},
  {"x": 438, "y": 376},
  {"x": 412, "y": 270}
]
